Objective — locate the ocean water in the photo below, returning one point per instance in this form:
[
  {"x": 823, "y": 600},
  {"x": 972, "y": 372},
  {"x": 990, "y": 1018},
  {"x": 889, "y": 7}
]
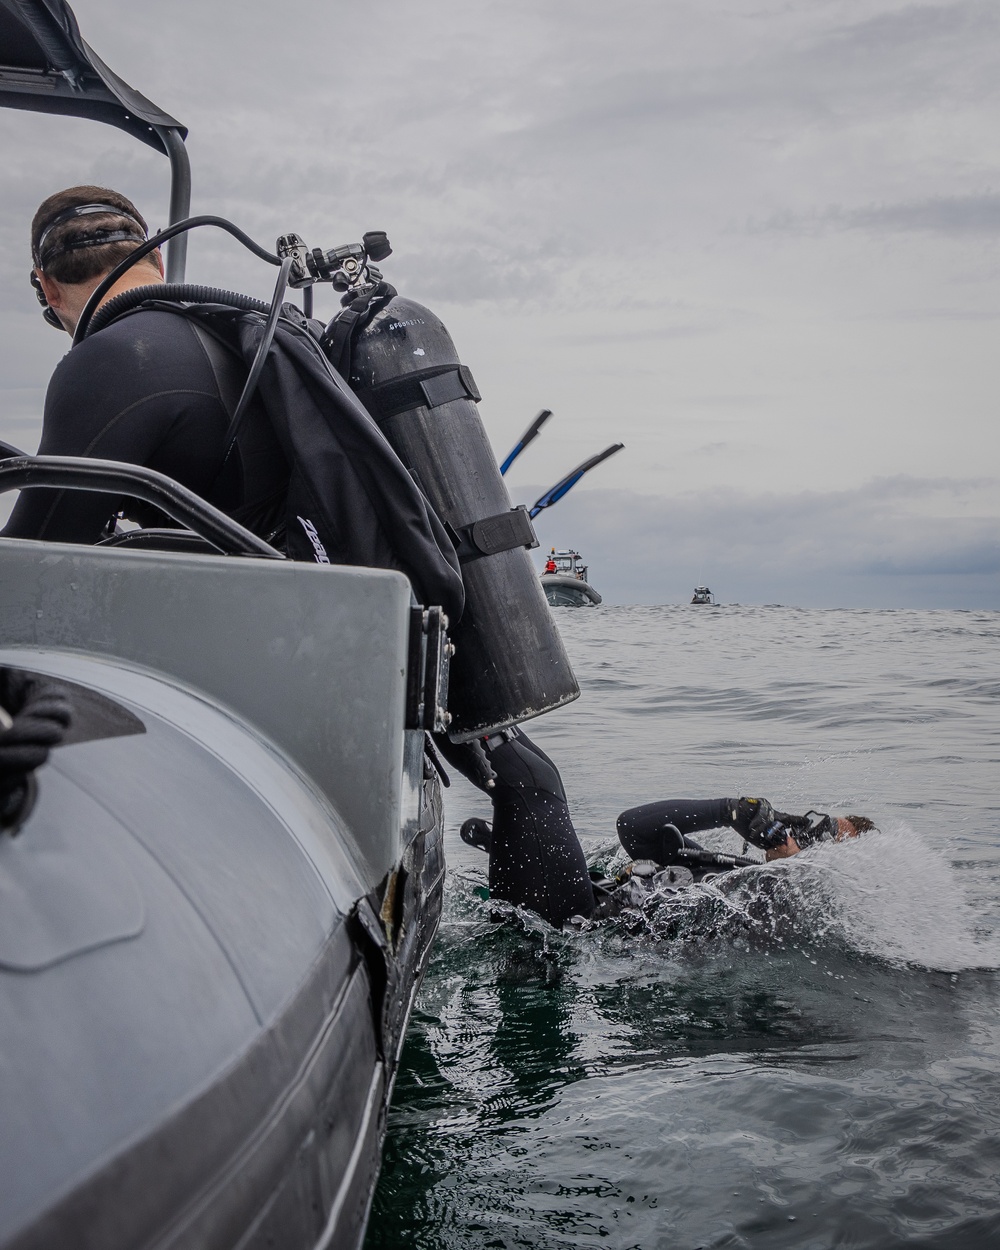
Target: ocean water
[{"x": 805, "y": 1055}]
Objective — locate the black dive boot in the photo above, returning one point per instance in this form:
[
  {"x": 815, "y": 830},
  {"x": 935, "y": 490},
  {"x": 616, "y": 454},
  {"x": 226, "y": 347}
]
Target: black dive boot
[{"x": 476, "y": 832}]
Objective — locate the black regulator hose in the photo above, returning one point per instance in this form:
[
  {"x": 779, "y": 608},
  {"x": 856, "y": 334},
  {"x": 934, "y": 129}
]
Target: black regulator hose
[
  {"x": 36, "y": 713},
  {"x": 274, "y": 312},
  {"x": 150, "y": 245}
]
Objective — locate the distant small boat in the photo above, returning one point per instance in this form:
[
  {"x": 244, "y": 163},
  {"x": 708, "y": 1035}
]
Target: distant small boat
[
  {"x": 702, "y": 594},
  {"x": 564, "y": 580}
]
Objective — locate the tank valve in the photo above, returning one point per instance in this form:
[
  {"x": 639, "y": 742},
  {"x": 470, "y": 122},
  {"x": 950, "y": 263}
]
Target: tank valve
[{"x": 347, "y": 268}]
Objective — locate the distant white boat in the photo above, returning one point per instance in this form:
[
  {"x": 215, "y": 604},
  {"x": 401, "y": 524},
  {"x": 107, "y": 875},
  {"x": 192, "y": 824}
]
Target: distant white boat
[{"x": 702, "y": 594}]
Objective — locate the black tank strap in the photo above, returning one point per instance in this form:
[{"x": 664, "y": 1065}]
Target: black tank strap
[
  {"x": 336, "y": 340},
  {"x": 493, "y": 534},
  {"x": 230, "y": 372},
  {"x": 227, "y": 368},
  {"x": 427, "y": 388}
]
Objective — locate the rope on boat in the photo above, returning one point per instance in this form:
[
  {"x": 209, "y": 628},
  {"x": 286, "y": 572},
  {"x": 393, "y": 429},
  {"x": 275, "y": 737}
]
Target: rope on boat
[{"x": 35, "y": 714}]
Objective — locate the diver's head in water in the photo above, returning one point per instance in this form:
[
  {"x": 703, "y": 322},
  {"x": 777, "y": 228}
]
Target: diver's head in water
[
  {"x": 839, "y": 828},
  {"x": 779, "y": 834},
  {"x": 77, "y": 237}
]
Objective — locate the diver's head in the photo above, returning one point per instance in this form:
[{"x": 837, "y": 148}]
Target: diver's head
[
  {"x": 851, "y": 826},
  {"x": 77, "y": 237}
]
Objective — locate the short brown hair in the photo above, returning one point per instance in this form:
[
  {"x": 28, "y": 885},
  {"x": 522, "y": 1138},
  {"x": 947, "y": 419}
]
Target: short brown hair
[
  {"x": 861, "y": 823},
  {"x": 83, "y": 263}
]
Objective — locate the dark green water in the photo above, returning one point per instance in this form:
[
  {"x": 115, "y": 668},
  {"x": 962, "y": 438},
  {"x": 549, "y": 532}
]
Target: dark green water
[{"x": 806, "y": 1055}]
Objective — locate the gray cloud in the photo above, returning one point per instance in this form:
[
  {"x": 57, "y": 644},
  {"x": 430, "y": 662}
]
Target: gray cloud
[
  {"x": 569, "y": 185},
  {"x": 642, "y": 334},
  {"x": 799, "y": 65},
  {"x": 957, "y": 216}
]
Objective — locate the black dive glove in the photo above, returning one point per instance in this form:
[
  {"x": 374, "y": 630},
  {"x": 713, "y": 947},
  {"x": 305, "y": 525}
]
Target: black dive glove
[
  {"x": 759, "y": 824},
  {"x": 469, "y": 759}
]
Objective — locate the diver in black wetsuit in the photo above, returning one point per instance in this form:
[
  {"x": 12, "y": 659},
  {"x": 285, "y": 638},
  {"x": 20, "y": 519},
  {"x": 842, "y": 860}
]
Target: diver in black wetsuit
[
  {"x": 536, "y": 860},
  {"x": 150, "y": 389},
  {"x": 645, "y": 831}
]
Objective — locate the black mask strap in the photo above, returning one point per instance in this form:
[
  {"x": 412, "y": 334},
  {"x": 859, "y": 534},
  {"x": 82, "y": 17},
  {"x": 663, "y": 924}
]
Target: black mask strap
[{"x": 95, "y": 239}]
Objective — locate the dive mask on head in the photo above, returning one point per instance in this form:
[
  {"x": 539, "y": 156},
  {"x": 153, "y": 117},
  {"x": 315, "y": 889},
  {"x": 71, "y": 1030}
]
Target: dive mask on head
[
  {"x": 820, "y": 826},
  {"x": 95, "y": 238}
]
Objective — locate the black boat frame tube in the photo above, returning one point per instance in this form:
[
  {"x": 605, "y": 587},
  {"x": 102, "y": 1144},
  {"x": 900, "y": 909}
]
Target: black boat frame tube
[
  {"x": 150, "y": 245},
  {"x": 136, "y": 481},
  {"x": 180, "y": 199}
]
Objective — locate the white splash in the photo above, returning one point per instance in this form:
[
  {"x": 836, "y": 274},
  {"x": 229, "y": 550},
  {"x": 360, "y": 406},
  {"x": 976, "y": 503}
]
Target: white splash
[{"x": 887, "y": 894}]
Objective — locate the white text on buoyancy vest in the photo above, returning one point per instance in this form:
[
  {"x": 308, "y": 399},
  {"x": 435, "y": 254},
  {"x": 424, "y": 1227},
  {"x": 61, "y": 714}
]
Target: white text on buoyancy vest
[{"x": 320, "y": 557}]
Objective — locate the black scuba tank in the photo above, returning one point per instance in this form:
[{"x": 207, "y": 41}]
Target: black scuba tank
[{"x": 509, "y": 663}]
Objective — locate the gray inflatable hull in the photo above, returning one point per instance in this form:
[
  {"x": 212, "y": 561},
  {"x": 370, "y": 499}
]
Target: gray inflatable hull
[
  {"x": 215, "y": 920},
  {"x": 563, "y": 591}
]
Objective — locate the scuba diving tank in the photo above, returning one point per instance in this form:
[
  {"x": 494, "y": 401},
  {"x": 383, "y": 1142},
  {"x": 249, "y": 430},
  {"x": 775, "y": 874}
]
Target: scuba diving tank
[{"x": 509, "y": 663}]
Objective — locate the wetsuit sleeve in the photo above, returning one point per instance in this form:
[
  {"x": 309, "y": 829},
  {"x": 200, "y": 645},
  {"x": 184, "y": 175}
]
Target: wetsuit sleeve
[
  {"x": 119, "y": 396},
  {"x": 640, "y": 829}
]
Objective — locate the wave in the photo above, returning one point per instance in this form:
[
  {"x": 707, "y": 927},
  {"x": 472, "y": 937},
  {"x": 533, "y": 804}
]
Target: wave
[{"x": 888, "y": 895}]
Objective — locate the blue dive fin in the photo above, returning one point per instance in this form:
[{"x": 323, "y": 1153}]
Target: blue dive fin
[
  {"x": 529, "y": 435},
  {"x": 555, "y": 493}
]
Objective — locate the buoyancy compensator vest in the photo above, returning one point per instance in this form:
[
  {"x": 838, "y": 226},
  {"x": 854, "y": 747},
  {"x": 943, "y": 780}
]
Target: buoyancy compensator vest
[
  {"x": 510, "y": 663},
  {"x": 349, "y": 499}
]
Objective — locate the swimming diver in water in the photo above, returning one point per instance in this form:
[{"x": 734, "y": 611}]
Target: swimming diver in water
[
  {"x": 643, "y": 831},
  {"x": 536, "y": 860}
]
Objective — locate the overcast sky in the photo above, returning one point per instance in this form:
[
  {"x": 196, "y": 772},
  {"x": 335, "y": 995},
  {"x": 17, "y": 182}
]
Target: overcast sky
[{"x": 759, "y": 243}]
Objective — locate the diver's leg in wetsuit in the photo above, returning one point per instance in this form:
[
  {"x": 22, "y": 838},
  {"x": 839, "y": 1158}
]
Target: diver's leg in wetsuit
[
  {"x": 640, "y": 829},
  {"x": 536, "y": 859}
]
